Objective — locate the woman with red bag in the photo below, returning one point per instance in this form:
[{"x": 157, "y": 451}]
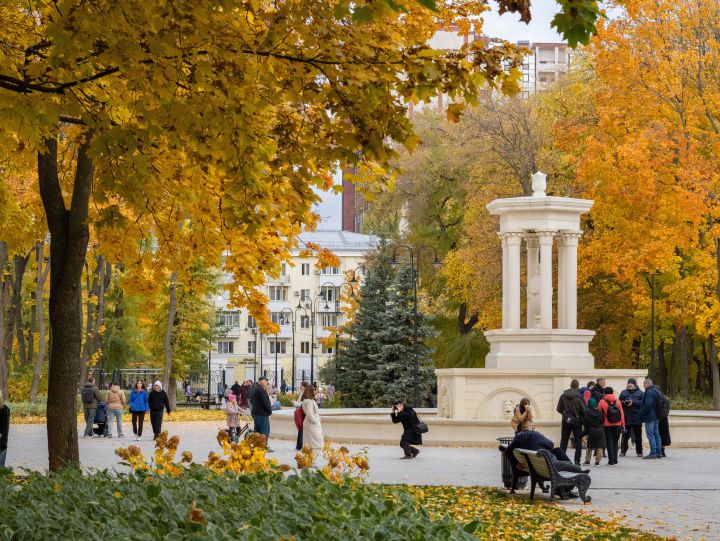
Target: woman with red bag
[{"x": 300, "y": 415}]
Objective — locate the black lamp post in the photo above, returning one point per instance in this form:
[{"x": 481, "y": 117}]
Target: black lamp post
[
  {"x": 313, "y": 313},
  {"x": 415, "y": 268},
  {"x": 287, "y": 310},
  {"x": 650, "y": 277},
  {"x": 255, "y": 367}
]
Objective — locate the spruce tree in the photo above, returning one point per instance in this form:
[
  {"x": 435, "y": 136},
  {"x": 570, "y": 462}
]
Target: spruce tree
[
  {"x": 393, "y": 377},
  {"x": 356, "y": 359}
]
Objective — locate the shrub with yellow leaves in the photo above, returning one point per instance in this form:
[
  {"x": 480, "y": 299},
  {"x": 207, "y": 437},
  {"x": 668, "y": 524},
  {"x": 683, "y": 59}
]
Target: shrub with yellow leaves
[{"x": 340, "y": 465}]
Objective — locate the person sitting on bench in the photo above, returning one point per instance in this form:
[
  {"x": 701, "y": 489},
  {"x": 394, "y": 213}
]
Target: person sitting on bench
[{"x": 528, "y": 438}]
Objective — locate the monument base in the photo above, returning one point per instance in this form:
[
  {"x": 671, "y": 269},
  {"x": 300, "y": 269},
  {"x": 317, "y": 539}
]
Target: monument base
[
  {"x": 491, "y": 394},
  {"x": 539, "y": 349}
]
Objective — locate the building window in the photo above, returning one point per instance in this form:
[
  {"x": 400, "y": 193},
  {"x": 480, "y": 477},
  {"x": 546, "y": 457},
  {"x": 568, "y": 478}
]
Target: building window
[
  {"x": 280, "y": 346},
  {"x": 304, "y": 322},
  {"x": 281, "y": 318},
  {"x": 305, "y": 269},
  {"x": 225, "y": 347},
  {"x": 304, "y": 347},
  {"x": 304, "y": 294},
  {"x": 252, "y": 347},
  {"x": 228, "y": 318},
  {"x": 328, "y": 320},
  {"x": 331, "y": 293},
  {"x": 327, "y": 350},
  {"x": 277, "y": 293},
  {"x": 251, "y": 324},
  {"x": 331, "y": 270},
  {"x": 283, "y": 269}
]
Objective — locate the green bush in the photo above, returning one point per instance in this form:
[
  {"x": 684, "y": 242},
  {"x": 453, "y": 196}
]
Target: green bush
[
  {"x": 32, "y": 409},
  {"x": 202, "y": 505}
]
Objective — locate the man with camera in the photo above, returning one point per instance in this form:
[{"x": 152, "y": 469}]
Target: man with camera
[
  {"x": 631, "y": 399},
  {"x": 411, "y": 436}
]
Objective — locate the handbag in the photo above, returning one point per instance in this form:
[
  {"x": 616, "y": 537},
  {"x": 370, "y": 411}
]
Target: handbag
[
  {"x": 572, "y": 420},
  {"x": 420, "y": 426},
  {"x": 299, "y": 418}
]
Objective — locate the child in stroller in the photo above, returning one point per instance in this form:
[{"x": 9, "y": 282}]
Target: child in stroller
[{"x": 101, "y": 428}]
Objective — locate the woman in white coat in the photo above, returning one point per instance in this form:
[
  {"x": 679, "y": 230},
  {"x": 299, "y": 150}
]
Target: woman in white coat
[{"x": 312, "y": 429}]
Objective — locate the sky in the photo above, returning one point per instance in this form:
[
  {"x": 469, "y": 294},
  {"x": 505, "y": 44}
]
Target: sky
[{"x": 507, "y": 26}]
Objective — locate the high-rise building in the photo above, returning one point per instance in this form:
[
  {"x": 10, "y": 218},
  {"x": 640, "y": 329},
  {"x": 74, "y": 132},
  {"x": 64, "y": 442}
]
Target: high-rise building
[{"x": 547, "y": 63}]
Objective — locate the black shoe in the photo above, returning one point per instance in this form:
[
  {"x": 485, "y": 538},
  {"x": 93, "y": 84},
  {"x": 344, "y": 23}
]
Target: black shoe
[
  {"x": 577, "y": 463},
  {"x": 586, "y": 462},
  {"x": 586, "y": 471},
  {"x": 415, "y": 452},
  {"x": 407, "y": 457}
]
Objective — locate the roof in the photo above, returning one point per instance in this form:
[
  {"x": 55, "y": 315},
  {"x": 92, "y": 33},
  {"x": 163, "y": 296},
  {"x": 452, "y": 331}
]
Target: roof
[{"x": 339, "y": 241}]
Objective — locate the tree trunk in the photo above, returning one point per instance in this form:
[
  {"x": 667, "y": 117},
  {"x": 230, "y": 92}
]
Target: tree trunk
[
  {"x": 684, "y": 366},
  {"x": 69, "y": 236},
  {"x": 662, "y": 372},
  {"x": 3, "y": 359},
  {"x": 674, "y": 358},
  {"x": 9, "y": 297},
  {"x": 20, "y": 264},
  {"x": 42, "y": 274},
  {"x": 715, "y": 370},
  {"x": 167, "y": 370}
]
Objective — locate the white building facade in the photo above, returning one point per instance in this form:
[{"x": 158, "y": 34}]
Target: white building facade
[{"x": 305, "y": 301}]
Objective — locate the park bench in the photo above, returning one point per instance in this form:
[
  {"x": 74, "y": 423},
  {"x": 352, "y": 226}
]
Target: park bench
[
  {"x": 541, "y": 467},
  {"x": 203, "y": 401}
]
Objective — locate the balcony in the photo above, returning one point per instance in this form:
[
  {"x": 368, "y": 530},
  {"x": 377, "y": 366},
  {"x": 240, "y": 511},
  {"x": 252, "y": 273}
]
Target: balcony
[{"x": 282, "y": 280}]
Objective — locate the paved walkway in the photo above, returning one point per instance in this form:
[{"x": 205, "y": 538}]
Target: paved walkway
[{"x": 676, "y": 496}]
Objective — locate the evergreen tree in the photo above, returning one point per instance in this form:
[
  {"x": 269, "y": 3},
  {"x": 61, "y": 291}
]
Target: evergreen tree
[
  {"x": 393, "y": 377},
  {"x": 356, "y": 360}
]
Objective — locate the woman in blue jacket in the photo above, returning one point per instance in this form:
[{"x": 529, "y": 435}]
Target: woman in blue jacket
[{"x": 138, "y": 406}]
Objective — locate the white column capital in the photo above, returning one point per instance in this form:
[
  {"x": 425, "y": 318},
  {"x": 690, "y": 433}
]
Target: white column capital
[
  {"x": 512, "y": 238},
  {"x": 569, "y": 238},
  {"x": 531, "y": 239},
  {"x": 545, "y": 237}
]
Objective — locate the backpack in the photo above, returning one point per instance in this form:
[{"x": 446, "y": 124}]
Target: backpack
[
  {"x": 88, "y": 395},
  {"x": 613, "y": 412},
  {"x": 662, "y": 406}
]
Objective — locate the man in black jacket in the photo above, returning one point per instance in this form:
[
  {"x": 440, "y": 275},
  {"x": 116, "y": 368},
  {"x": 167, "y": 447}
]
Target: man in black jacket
[
  {"x": 261, "y": 409},
  {"x": 409, "y": 419},
  {"x": 572, "y": 409},
  {"x": 528, "y": 438},
  {"x": 598, "y": 392},
  {"x": 631, "y": 399}
]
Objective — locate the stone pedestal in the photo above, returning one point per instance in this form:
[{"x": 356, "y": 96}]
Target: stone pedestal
[{"x": 539, "y": 349}]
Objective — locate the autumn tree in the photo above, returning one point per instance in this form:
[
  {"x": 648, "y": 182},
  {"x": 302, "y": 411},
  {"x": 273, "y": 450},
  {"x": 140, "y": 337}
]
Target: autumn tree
[{"x": 228, "y": 127}]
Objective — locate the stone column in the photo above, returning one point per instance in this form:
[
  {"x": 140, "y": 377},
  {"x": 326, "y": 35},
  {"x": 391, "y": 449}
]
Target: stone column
[
  {"x": 513, "y": 280},
  {"x": 569, "y": 283},
  {"x": 533, "y": 280},
  {"x": 562, "y": 279},
  {"x": 546, "y": 284},
  {"x": 503, "y": 241}
]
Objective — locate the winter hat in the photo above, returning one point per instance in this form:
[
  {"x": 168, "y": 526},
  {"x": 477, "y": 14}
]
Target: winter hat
[
  {"x": 592, "y": 403},
  {"x": 632, "y": 380},
  {"x": 158, "y": 383},
  {"x": 608, "y": 390},
  {"x": 231, "y": 397}
]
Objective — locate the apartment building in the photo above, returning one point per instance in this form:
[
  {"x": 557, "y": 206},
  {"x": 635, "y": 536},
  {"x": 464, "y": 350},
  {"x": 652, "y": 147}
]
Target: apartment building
[
  {"x": 305, "y": 302},
  {"x": 547, "y": 63}
]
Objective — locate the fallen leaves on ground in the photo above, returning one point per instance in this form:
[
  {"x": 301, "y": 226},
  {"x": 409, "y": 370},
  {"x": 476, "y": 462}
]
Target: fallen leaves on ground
[
  {"x": 506, "y": 517},
  {"x": 179, "y": 416}
]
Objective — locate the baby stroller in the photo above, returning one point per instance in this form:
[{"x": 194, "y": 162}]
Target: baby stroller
[
  {"x": 101, "y": 428},
  {"x": 242, "y": 432}
]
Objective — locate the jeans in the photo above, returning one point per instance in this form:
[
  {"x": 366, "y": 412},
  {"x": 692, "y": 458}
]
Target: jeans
[
  {"x": 89, "y": 414},
  {"x": 636, "y": 431},
  {"x": 262, "y": 425},
  {"x": 611, "y": 440},
  {"x": 117, "y": 414},
  {"x": 156, "y": 418},
  {"x": 653, "y": 434},
  {"x": 3, "y": 456},
  {"x": 138, "y": 418},
  {"x": 576, "y": 432}
]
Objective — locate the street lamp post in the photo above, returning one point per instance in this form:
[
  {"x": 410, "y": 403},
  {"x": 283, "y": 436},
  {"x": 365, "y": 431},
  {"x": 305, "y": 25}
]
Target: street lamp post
[
  {"x": 255, "y": 367},
  {"x": 288, "y": 310},
  {"x": 650, "y": 277},
  {"x": 313, "y": 313},
  {"x": 415, "y": 268}
]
